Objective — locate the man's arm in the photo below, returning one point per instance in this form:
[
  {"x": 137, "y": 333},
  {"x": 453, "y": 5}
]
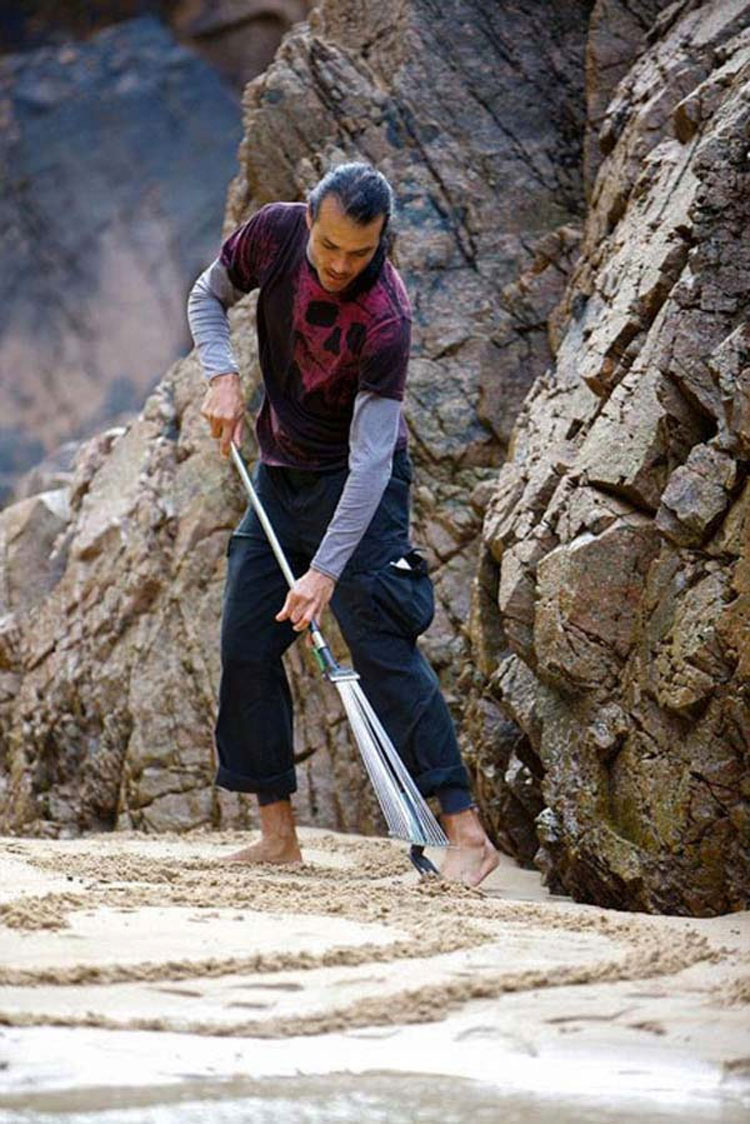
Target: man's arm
[
  {"x": 372, "y": 438},
  {"x": 210, "y": 297},
  {"x": 224, "y": 404}
]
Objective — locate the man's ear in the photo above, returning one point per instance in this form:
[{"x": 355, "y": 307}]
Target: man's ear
[{"x": 309, "y": 217}]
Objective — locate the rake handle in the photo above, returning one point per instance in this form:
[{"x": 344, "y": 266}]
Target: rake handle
[
  {"x": 260, "y": 511},
  {"x": 323, "y": 654}
]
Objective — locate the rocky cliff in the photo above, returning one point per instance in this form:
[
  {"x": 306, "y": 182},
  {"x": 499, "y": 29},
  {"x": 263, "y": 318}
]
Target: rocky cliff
[
  {"x": 569, "y": 179},
  {"x": 615, "y": 547}
]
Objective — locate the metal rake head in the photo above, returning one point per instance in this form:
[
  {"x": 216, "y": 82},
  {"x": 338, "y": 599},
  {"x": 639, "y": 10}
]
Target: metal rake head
[{"x": 405, "y": 809}]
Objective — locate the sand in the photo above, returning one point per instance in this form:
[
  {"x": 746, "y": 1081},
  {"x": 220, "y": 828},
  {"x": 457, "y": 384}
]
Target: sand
[{"x": 135, "y": 938}]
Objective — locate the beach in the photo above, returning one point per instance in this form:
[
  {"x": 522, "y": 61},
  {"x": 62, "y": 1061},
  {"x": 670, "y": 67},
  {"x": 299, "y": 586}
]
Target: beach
[{"x": 141, "y": 970}]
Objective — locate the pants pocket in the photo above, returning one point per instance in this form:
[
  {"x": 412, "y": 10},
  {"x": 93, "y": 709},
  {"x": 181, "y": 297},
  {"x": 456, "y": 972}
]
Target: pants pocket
[{"x": 403, "y": 598}]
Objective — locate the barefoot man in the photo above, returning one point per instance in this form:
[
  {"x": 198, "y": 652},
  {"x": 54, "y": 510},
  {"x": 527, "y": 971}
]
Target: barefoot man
[{"x": 334, "y": 326}]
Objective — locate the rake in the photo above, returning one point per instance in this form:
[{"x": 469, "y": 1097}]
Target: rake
[{"x": 406, "y": 813}]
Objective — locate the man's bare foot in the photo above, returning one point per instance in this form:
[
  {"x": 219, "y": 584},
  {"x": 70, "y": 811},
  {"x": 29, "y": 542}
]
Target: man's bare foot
[
  {"x": 471, "y": 856},
  {"x": 265, "y": 852},
  {"x": 278, "y": 841}
]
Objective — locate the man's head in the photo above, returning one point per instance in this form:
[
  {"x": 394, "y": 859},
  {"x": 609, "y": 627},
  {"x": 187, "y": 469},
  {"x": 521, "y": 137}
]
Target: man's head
[{"x": 348, "y": 216}]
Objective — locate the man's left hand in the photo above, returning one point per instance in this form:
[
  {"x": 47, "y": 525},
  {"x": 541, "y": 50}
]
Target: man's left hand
[{"x": 307, "y": 599}]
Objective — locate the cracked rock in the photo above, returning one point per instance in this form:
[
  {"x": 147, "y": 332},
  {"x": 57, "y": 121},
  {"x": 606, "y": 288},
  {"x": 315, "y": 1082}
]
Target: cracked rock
[
  {"x": 640, "y": 601},
  {"x": 697, "y": 495}
]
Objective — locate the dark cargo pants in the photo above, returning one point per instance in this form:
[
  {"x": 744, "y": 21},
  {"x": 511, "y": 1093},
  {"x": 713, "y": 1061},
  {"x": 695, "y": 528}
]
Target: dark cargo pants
[{"x": 381, "y": 610}]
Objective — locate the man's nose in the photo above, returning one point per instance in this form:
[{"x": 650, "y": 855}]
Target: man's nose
[{"x": 338, "y": 263}]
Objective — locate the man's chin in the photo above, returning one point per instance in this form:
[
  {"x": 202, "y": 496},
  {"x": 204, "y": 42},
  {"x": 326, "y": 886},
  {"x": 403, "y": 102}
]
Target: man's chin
[{"x": 332, "y": 286}]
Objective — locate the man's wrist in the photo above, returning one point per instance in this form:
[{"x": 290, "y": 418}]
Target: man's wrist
[
  {"x": 323, "y": 573},
  {"x": 221, "y": 375}
]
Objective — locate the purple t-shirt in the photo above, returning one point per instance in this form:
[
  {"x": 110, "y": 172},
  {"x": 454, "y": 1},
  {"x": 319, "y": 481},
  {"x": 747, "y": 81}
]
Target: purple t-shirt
[{"x": 318, "y": 350}]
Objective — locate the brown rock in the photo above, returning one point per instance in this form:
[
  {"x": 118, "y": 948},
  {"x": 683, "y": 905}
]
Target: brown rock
[
  {"x": 637, "y": 658},
  {"x": 689, "y": 661},
  {"x": 580, "y": 640},
  {"x": 29, "y": 567},
  {"x": 697, "y": 495},
  {"x": 617, "y": 35},
  {"x": 517, "y": 688},
  {"x": 520, "y": 342},
  {"x": 643, "y": 433},
  {"x": 237, "y": 37}
]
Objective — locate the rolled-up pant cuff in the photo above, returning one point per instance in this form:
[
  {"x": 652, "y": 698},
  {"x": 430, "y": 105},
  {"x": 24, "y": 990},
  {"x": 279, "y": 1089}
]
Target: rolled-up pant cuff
[
  {"x": 454, "y": 799},
  {"x": 281, "y": 785},
  {"x": 431, "y": 781},
  {"x": 271, "y": 797}
]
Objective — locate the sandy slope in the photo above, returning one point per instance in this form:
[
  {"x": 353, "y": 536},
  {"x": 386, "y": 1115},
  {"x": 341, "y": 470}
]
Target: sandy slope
[{"x": 348, "y": 950}]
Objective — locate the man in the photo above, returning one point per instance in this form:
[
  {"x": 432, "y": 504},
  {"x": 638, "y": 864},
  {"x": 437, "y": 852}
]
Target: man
[{"x": 334, "y": 325}]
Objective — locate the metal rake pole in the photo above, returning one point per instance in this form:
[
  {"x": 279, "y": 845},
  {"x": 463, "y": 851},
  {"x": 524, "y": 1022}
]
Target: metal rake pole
[{"x": 405, "y": 809}]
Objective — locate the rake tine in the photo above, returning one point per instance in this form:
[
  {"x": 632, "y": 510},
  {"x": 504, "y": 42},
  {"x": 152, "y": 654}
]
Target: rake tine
[
  {"x": 428, "y": 826},
  {"x": 413, "y": 821},
  {"x": 425, "y": 868}
]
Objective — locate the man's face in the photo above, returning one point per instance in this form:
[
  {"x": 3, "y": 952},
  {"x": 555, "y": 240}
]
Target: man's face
[{"x": 338, "y": 247}]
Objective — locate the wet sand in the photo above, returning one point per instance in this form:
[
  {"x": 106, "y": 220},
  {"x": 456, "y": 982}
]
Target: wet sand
[{"x": 346, "y": 963}]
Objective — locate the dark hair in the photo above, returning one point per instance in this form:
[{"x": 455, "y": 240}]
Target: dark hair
[{"x": 364, "y": 193}]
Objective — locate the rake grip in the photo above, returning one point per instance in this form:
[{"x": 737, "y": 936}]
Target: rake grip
[{"x": 324, "y": 656}]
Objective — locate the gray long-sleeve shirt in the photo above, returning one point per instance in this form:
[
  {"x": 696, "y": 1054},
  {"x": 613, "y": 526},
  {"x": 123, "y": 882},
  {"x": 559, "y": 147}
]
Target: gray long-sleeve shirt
[{"x": 372, "y": 436}]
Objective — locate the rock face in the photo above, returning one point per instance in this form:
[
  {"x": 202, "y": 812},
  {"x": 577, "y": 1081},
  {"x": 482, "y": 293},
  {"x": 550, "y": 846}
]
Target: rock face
[
  {"x": 617, "y": 535},
  {"x": 110, "y": 720},
  {"x": 105, "y": 222},
  {"x": 237, "y": 37},
  {"x": 599, "y": 668}
]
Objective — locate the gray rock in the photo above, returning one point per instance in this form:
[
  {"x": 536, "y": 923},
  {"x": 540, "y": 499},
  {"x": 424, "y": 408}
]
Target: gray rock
[
  {"x": 106, "y": 217},
  {"x": 697, "y": 495},
  {"x": 589, "y": 592},
  {"x": 29, "y": 564}
]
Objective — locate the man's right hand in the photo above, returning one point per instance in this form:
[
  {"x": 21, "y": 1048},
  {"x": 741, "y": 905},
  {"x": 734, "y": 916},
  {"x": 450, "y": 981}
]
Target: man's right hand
[{"x": 224, "y": 410}]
